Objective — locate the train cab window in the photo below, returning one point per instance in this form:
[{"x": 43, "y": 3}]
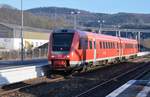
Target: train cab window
[
  {"x": 59, "y": 43},
  {"x": 90, "y": 44}
]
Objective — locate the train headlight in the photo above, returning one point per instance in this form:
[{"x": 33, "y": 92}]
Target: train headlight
[
  {"x": 52, "y": 56},
  {"x": 68, "y": 56},
  {"x": 72, "y": 53}
]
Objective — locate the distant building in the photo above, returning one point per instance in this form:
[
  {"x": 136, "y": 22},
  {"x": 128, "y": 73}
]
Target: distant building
[{"x": 10, "y": 37}]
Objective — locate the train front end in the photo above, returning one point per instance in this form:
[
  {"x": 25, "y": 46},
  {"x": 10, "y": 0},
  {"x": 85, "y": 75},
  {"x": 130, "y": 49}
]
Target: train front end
[{"x": 60, "y": 47}]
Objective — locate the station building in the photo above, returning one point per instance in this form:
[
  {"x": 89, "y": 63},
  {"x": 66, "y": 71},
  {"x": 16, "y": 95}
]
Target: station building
[{"x": 33, "y": 37}]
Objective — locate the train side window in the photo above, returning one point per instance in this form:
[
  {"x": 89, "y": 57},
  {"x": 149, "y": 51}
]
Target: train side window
[
  {"x": 80, "y": 44},
  {"x": 117, "y": 46},
  {"x": 106, "y": 44},
  {"x": 100, "y": 44},
  {"x": 109, "y": 44},
  {"x": 94, "y": 45},
  {"x": 86, "y": 44},
  {"x": 113, "y": 45},
  {"x": 83, "y": 43},
  {"x": 90, "y": 44},
  {"x": 103, "y": 45},
  {"x": 135, "y": 46}
]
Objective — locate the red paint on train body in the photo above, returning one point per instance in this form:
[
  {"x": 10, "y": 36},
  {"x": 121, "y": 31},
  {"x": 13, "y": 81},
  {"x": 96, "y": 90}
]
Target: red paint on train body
[{"x": 70, "y": 49}]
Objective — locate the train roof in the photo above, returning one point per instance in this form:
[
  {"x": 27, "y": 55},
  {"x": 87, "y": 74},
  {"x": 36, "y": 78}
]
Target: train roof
[
  {"x": 64, "y": 31},
  {"x": 97, "y": 36},
  {"x": 87, "y": 34},
  {"x": 105, "y": 37}
]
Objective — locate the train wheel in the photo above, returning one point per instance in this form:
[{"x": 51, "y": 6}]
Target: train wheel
[{"x": 83, "y": 69}]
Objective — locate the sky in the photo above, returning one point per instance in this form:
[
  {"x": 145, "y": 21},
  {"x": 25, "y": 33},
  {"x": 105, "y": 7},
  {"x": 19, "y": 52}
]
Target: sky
[{"x": 99, "y": 6}]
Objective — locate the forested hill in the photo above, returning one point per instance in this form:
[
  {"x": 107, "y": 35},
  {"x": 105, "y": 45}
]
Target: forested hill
[{"x": 48, "y": 17}]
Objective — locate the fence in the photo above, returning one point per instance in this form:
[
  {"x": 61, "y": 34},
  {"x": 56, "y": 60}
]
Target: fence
[{"x": 28, "y": 54}]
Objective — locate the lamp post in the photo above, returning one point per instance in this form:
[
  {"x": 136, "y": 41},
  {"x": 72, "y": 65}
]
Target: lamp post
[
  {"x": 75, "y": 18},
  {"x": 119, "y": 33},
  {"x": 22, "y": 51},
  {"x": 139, "y": 40},
  {"x": 100, "y": 25},
  {"x": 55, "y": 24}
]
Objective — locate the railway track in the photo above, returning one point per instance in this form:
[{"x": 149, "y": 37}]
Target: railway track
[
  {"x": 29, "y": 86},
  {"x": 102, "y": 89}
]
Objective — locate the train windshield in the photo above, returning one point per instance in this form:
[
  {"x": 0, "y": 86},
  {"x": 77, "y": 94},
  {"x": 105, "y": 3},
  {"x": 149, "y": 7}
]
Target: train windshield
[{"x": 62, "y": 41}]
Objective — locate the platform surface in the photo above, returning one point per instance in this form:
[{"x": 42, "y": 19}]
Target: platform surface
[
  {"x": 16, "y": 71},
  {"x": 143, "y": 53},
  {"x": 133, "y": 88},
  {"x": 17, "y": 64}
]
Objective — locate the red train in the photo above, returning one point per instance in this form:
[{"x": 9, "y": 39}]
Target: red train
[{"x": 74, "y": 49}]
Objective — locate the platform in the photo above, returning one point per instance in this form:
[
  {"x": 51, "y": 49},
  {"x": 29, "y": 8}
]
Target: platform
[
  {"x": 133, "y": 88},
  {"x": 11, "y": 72},
  {"x": 17, "y": 63},
  {"x": 143, "y": 53}
]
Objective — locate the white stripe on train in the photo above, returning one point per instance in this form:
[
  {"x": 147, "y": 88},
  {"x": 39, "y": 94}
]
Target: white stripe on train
[{"x": 99, "y": 59}]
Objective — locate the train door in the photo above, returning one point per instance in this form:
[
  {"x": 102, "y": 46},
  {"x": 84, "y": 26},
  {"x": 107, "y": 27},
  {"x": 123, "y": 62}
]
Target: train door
[
  {"x": 119, "y": 47},
  {"x": 94, "y": 60}
]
